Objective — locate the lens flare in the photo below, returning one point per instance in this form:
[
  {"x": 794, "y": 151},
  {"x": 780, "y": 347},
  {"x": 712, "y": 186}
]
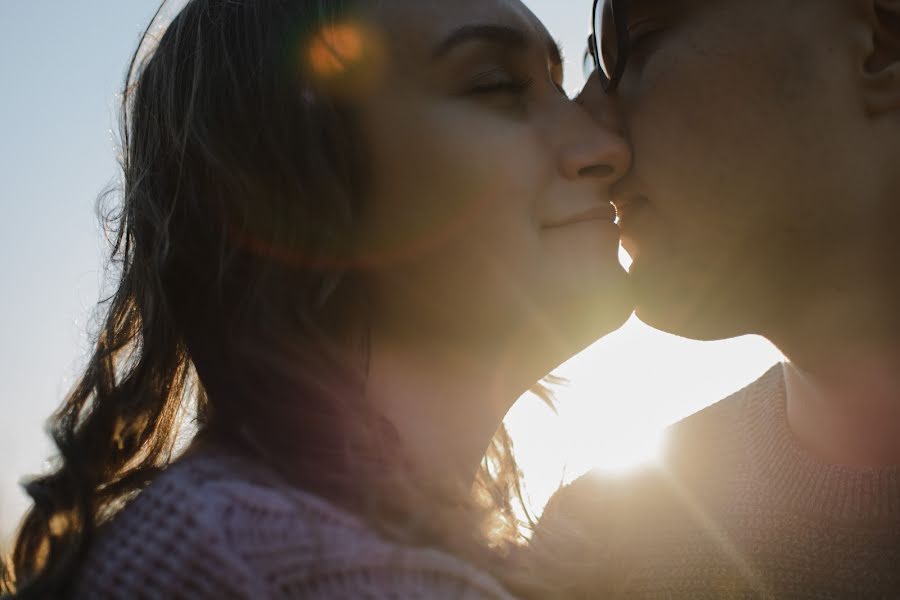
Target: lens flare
[{"x": 336, "y": 49}]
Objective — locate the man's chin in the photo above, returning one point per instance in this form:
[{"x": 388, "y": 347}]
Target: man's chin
[
  {"x": 670, "y": 314},
  {"x": 680, "y": 303}
]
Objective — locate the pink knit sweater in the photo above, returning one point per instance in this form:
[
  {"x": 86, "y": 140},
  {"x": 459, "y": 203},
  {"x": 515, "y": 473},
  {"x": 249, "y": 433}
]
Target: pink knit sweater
[{"x": 218, "y": 526}]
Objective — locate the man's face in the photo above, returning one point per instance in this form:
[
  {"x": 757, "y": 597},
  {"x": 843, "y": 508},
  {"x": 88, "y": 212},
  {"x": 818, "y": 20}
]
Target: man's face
[{"x": 752, "y": 157}]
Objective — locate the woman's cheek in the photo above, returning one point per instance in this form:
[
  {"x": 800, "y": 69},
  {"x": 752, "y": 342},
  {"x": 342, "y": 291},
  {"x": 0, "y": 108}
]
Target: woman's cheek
[{"x": 453, "y": 169}]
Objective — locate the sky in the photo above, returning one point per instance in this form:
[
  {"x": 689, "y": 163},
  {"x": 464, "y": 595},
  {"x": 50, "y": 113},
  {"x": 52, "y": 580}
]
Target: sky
[{"x": 62, "y": 64}]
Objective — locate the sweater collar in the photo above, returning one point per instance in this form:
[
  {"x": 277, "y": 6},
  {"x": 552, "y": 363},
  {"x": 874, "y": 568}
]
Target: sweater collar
[{"x": 796, "y": 477}]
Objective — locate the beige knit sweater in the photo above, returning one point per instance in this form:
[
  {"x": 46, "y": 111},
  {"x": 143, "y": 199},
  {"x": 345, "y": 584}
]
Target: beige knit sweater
[
  {"x": 217, "y": 526},
  {"x": 737, "y": 509}
]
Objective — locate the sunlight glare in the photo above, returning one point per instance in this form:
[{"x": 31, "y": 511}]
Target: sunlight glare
[
  {"x": 624, "y": 450},
  {"x": 623, "y": 394},
  {"x": 624, "y": 258},
  {"x": 335, "y": 49}
]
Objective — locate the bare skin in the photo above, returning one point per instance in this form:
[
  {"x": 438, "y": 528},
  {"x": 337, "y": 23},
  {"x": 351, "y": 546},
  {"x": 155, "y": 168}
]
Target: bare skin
[
  {"x": 763, "y": 197},
  {"x": 491, "y": 247}
]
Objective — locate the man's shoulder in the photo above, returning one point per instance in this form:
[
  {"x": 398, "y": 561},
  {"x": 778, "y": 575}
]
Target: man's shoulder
[
  {"x": 701, "y": 454},
  {"x": 596, "y": 530},
  {"x": 703, "y": 436},
  {"x": 695, "y": 445}
]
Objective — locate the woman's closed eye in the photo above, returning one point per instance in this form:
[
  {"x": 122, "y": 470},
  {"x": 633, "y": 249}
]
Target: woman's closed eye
[
  {"x": 499, "y": 81},
  {"x": 502, "y": 83}
]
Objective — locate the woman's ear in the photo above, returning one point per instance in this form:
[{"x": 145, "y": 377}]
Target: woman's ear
[{"x": 882, "y": 68}]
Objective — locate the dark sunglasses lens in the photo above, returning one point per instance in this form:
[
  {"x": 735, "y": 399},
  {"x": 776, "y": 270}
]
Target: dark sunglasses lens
[
  {"x": 607, "y": 37},
  {"x": 588, "y": 65}
]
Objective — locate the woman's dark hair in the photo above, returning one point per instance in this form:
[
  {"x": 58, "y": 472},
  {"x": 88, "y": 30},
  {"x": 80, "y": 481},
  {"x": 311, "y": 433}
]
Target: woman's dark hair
[{"x": 236, "y": 300}]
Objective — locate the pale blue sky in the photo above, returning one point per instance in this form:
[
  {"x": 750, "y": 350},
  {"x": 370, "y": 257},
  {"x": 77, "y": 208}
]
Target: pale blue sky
[{"x": 62, "y": 64}]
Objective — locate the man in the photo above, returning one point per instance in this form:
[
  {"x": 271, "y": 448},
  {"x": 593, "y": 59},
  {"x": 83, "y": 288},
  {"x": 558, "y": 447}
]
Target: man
[{"x": 764, "y": 198}]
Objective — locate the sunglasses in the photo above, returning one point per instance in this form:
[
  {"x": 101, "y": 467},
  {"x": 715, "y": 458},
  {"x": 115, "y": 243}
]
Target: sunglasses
[{"x": 607, "y": 50}]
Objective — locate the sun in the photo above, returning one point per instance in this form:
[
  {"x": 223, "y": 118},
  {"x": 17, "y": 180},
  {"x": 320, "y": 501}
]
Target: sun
[
  {"x": 624, "y": 450},
  {"x": 586, "y": 435},
  {"x": 623, "y": 395}
]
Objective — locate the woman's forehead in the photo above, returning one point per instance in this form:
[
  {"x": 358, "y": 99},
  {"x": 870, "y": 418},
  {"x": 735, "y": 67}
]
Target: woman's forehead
[{"x": 421, "y": 25}]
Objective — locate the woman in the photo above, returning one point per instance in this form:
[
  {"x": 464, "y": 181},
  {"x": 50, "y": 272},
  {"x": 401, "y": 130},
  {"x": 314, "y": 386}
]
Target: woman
[{"x": 353, "y": 233}]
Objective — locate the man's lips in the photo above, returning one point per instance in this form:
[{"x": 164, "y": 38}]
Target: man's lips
[
  {"x": 604, "y": 212},
  {"x": 631, "y": 225},
  {"x": 627, "y": 210}
]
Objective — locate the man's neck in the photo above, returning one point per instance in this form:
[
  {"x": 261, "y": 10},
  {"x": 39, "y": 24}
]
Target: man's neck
[
  {"x": 846, "y": 410},
  {"x": 842, "y": 339}
]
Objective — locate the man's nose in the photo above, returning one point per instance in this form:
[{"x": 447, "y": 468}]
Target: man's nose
[{"x": 600, "y": 105}]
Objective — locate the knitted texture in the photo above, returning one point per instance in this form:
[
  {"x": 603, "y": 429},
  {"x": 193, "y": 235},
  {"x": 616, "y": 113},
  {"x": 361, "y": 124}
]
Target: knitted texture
[
  {"x": 736, "y": 509},
  {"x": 219, "y": 526}
]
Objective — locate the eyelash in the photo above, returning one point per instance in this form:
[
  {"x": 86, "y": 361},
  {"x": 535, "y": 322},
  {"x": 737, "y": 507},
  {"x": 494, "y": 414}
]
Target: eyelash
[{"x": 504, "y": 87}]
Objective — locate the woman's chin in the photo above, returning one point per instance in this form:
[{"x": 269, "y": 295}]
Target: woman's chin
[
  {"x": 598, "y": 313},
  {"x": 568, "y": 323}
]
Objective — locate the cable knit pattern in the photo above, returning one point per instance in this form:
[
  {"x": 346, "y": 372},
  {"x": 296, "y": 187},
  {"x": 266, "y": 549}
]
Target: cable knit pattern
[
  {"x": 737, "y": 509},
  {"x": 219, "y": 526}
]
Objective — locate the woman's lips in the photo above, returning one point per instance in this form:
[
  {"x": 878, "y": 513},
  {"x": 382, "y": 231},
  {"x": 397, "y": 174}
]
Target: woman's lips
[{"x": 603, "y": 213}]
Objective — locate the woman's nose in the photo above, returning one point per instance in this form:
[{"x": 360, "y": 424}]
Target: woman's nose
[{"x": 596, "y": 148}]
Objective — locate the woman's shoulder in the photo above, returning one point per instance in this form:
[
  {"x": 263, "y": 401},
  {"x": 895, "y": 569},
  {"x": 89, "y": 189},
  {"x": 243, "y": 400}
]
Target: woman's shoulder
[{"x": 217, "y": 525}]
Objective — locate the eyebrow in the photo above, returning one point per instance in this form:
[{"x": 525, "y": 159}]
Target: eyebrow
[{"x": 496, "y": 34}]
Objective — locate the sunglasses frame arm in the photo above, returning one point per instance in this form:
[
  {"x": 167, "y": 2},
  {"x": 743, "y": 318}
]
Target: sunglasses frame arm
[{"x": 619, "y": 13}]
